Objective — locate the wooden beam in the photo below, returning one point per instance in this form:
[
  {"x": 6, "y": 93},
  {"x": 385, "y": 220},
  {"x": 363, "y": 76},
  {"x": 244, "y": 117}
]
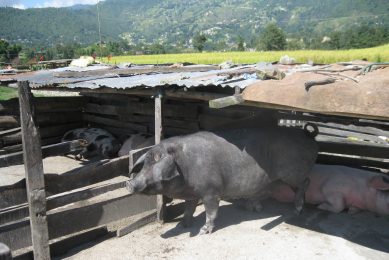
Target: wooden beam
[
  {"x": 136, "y": 71},
  {"x": 80, "y": 216},
  {"x": 80, "y": 177},
  {"x": 326, "y": 158},
  {"x": 226, "y": 101},
  {"x": 45, "y": 132},
  {"x": 87, "y": 175},
  {"x": 336, "y": 145},
  {"x": 18, "y": 212},
  {"x": 137, "y": 224},
  {"x": 114, "y": 123},
  {"x": 34, "y": 174},
  {"x": 47, "y": 151},
  {"x": 161, "y": 207}
]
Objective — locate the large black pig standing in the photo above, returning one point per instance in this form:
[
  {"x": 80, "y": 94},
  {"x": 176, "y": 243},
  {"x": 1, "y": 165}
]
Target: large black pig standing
[{"x": 234, "y": 164}]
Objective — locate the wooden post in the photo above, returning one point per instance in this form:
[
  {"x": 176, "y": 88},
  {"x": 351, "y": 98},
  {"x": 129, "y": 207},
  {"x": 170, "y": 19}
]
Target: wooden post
[
  {"x": 33, "y": 165},
  {"x": 158, "y": 136}
]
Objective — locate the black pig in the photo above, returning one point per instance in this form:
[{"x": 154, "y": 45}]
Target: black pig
[{"x": 234, "y": 164}]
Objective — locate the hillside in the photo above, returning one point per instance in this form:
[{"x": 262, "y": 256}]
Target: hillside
[{"x": 176, "y": 21}]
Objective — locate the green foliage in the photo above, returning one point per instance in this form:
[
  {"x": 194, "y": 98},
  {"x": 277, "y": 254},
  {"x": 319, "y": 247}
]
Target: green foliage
[
  {"x": 174, "y": 22},
  {"x": 7, "y": 93},
  {"x": 272, "y": 38},
  {"x": 240, "y": 44},
  {"x": 199, "y": 41},
  {"x": 167, "y": 26},
  {"x": 8, "y": 51}
]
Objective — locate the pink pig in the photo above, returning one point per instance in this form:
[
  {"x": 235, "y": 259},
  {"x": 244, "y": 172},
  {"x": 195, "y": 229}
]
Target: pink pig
[{"x": 335, "y": 188}]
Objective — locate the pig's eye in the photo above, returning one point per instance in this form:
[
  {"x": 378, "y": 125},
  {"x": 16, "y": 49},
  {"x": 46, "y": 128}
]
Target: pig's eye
[{"x": 157, "y": 157}]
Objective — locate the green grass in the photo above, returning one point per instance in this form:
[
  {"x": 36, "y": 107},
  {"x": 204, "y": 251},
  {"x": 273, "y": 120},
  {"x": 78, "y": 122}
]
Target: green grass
[
  {"x": 7, "y": 93},
  {"x": 375, "y": 54}
]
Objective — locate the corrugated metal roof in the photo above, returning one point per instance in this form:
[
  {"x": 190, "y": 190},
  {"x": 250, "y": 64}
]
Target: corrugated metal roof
[{"x": 112, "y": 78}]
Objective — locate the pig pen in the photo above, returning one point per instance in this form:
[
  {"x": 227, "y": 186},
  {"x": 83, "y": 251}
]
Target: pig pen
[{"x": 87, "y": 199}]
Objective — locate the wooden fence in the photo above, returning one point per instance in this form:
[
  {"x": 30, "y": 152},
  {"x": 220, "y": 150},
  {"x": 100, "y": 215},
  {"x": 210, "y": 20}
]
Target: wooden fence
[{"x": 92, "y": 196}]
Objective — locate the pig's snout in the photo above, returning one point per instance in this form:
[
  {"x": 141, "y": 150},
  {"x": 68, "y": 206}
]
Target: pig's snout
[{"x": 130, "y": 187}]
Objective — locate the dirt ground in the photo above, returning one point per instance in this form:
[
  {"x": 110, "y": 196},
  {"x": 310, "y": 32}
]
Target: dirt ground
[
  {"x": 51, "y": 165},
  {"x": 275, "y": 233}
]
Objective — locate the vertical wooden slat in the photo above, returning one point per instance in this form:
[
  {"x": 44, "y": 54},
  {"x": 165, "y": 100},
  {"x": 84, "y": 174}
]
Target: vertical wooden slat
[
  {"x": 158, "y": 136},
  {"x": 33, "y": 165}
]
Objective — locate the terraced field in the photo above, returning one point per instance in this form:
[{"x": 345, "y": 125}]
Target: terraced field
[{"x": 376, "y": 54}]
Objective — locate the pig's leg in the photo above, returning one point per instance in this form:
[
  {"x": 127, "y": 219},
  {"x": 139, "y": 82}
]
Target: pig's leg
[
  {"x": 211, "y": 205},
  {"x": 190, "y": 207},
  {"x": 334, "y": 203},
  {"x": 300, "y": 196}
]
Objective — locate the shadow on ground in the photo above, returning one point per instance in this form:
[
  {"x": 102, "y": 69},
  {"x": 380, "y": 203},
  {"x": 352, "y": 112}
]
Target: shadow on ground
[{"x": 365, "y": 228}]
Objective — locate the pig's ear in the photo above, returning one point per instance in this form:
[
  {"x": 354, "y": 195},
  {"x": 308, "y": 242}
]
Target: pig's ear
[
  {"x": 139, "y": 164},
  {"x": 169, "y": 168},
  {"x": 379, "y": 182}
]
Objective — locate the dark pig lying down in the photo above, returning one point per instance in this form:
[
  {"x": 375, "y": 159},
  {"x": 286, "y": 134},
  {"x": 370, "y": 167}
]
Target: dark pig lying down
[
  {"x": 335, "y": 188},
  {"x": 227, "y": 165}
]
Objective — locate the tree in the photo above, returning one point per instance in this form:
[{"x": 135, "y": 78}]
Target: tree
[
  {"x": 240, "y": 44},
  {"x": 199, "y": 41},
  {"x": 8, "y": 51},
  {"x": 272, "y": 38}
]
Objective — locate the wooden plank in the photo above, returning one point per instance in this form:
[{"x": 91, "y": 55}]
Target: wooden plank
[
  {"x": 34, "y": 174},
  {"x": 344, "y": 146},
  {"x": 10, "y": 131},
  {"x": 137, "y": 224},
  {"x": 192, "y": 125},
  {"x": 99, "y": 211},
  {"x": 136, "y": 118},
  {"x": 101, "y": 109},
  {"x": 47, "y": 151},
  {"x": 109, "y": 97},
  {"x": 174, "y": 131},
  {"x": 209, "y": 122},
  {"x": 50, "y": 119},
  {"x": 226, "y": 101},
  {"x": 350, "y": 135},
  {"x": 18, "y": 212},
  {"x": 45, "y": 104},
  {"x": 332, "y": 159},
  {"x": 136, "y": 71},
  {"x": 161, "y": 206},
  {"x": 87, "y": 175},
  {"x": 45, "y": 132},
  {"x": 114, "y": 123},
  {"x": 357, "y": 129}
]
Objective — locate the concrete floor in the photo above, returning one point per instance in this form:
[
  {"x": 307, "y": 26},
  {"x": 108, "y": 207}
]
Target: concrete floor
[{"x": 275, "y": 233}]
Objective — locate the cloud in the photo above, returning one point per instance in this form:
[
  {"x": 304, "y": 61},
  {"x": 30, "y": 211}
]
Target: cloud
[
  {"x": 12, "y": 3},
  {"x": 19, "y": 6},
  {"x": 61, "y": 3}
]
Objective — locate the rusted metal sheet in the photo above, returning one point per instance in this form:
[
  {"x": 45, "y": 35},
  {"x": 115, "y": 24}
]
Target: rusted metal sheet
[{"x": 368, "y": 97}]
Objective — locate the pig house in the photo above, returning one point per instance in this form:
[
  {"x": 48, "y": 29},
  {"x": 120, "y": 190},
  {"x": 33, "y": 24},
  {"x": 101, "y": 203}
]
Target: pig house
[{"x": 118, "y": 148}]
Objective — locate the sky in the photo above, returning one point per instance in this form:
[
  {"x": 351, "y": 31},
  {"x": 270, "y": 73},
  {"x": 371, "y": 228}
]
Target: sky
[{"x": 23, "y": 4}]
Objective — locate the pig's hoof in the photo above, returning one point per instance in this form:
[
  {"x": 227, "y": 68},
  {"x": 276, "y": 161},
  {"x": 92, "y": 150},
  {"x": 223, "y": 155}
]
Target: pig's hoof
[{"x": 206, "y": 230}]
